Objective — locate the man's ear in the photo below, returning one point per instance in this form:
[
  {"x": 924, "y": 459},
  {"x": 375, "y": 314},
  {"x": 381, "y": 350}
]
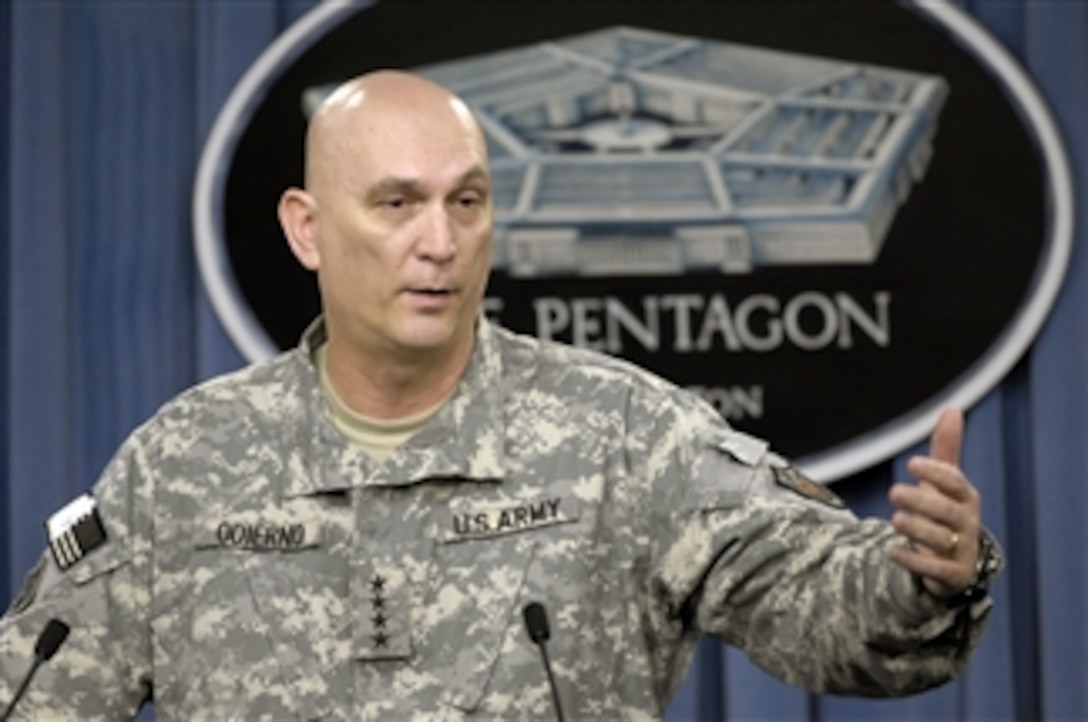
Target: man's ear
[{"x": 298, "y": 218}]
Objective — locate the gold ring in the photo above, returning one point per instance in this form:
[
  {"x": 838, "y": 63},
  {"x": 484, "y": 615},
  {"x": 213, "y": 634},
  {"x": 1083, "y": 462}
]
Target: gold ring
[{"x": 953, "y": 542}]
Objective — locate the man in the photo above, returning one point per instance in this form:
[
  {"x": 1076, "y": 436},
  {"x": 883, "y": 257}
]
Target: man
[{"x": 352, "y": 530}]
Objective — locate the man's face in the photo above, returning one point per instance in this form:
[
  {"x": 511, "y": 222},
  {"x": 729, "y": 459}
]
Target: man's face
[{"x": 404, "y": 223}]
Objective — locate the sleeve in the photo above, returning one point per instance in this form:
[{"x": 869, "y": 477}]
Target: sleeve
[
  {"x": 97, "y": 585},
  {"x": 763, "y": 559}
]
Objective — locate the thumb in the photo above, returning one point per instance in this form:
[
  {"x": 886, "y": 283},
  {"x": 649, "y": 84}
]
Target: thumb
[{"x": 947, "y": 438}]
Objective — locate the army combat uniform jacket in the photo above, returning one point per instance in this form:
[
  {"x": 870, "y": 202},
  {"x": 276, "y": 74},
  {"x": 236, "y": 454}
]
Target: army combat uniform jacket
[{"x": 254, "y": 564}]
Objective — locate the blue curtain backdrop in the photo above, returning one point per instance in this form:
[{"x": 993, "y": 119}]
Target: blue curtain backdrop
[{"x": 105, "y": 107}]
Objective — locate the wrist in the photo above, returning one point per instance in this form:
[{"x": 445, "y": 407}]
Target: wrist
[{"x": 990, "y": 562}]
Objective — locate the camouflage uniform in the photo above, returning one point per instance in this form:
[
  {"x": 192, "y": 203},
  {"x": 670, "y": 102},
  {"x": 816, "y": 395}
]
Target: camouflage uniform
[{"x": 258, "y": 566}]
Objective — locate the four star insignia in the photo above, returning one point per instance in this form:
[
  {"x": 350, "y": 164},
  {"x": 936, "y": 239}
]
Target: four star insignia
[{"x": 377, "y": 602}]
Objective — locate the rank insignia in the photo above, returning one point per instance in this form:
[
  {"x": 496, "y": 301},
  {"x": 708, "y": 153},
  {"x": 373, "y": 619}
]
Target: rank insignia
[
  {"x": 75, "y": 531},
  {"x": 383, "y": 631},
  {"x": 792, "y": 479}
]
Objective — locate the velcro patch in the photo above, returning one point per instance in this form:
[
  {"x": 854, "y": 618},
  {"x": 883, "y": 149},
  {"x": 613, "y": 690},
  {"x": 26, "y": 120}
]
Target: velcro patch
[
  {"x": 75, "y": 531},
  {"x": 792, "y": 479}
]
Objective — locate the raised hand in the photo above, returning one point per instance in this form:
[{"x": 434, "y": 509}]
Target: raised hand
[{"x": 940, "y": 515}]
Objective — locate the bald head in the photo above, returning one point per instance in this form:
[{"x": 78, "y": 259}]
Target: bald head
[
  {"x": 396, "y": 219},
  {"x": 367, "y": 109}
]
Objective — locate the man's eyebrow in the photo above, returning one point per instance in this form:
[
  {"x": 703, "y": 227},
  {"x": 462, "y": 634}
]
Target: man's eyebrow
[{"x": 394, "y": 184}]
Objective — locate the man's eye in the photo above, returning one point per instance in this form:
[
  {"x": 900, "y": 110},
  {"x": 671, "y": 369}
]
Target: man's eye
[{"x": 394, "y": 203}]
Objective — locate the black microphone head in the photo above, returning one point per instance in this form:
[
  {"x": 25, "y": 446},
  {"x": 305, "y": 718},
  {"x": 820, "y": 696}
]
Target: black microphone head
[
  {"x": 536, "y": 622},
  {"x": 50, "y": 639}
]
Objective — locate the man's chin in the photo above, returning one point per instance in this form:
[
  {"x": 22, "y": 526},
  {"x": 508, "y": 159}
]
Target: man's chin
[{"x": 428, "y": 339}]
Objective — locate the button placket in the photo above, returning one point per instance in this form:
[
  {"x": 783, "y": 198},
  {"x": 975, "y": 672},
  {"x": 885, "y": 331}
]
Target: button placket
[{"x": 382, "y": 590}]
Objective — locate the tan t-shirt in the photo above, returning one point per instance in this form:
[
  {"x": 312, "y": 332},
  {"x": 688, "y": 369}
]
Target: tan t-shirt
[{"x": 379, "y": 438}]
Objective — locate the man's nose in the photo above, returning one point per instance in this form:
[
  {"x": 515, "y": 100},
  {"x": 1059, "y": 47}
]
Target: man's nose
[{"x": 436, "y": 235}]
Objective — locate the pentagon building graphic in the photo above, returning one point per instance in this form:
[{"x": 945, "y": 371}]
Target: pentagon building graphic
[{"x": 627, "y": 151}]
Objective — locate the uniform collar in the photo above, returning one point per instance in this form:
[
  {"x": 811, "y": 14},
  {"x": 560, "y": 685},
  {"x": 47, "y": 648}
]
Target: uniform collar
[{"x": 464, "y": 441}]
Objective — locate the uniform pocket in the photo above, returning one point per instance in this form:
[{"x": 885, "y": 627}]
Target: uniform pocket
[
  {"x": 483, "y": 555},
  {"x": 248, "y": 608},
  {"x": 473, "y": 603}
]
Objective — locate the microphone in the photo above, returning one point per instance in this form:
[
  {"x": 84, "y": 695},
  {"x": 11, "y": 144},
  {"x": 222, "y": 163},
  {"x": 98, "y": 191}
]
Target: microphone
[
  {"x": 48, "y": 643},
  {"x": 536, "y": 623}
]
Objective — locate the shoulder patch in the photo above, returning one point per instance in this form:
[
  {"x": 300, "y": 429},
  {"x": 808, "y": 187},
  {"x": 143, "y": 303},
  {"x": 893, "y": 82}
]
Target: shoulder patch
[
  {"x": 29, "y": 592},
  {"x": 792, "y": 479},
  {"x": 75, "y": 531}
]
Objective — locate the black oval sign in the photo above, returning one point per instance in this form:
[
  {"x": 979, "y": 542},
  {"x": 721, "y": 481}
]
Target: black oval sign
[{"x": 829, "y": 227}]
